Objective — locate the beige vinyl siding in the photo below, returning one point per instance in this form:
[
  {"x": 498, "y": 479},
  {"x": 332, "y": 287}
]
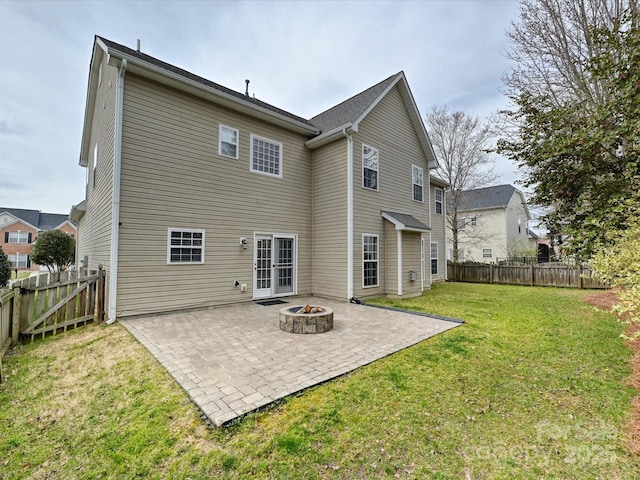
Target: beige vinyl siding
[
  {"x": 173, "y": 177},
  {"x": 330, "y": 220},
  {"x": 387, "y": 128},
  {"x": 94, "y": 233},
  {"x": 391, "y": 260},
  {"x": 411, "y": 262},
  {"x": 438, "y": 230}
]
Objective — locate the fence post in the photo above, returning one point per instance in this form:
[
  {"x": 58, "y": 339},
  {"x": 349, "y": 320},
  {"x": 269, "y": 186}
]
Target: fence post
[
  {"x": 490, "y": 273},
  {"x": 533, "y": 278},
  {"x": 17, "y": 302},
  {"x": 580, "y": 283}
]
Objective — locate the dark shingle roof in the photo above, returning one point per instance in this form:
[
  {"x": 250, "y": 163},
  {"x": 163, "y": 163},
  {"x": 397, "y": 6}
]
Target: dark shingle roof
[
  {"x": 489, "y": 197},
  {"x": 179, "y": 71},
  {"x": 42, "y": 221},
  {"x": 351, "y": 109},
  {"x": 407, "y": 220}
]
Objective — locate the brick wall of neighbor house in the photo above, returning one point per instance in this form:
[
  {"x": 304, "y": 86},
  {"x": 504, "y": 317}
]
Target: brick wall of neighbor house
[
  {"x": 18, "y": 248},
  {"x": 330, "y": 220},
  {"x": 170, "y": 165},
  {"x": 94, "y": 240},
  {"x": 389, "y": 129}
]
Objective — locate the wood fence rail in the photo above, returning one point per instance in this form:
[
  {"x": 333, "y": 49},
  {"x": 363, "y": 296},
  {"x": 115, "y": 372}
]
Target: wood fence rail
[
  {"x": 543, "y": 275},
  {"x": 49, "y": 304}
]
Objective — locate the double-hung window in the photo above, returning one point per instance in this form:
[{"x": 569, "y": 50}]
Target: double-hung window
[
  {"x": 266, "y": 156},
  {"x": 369, "y": 260},
  {"x": 369, "y": 167},
  {"x": 228, "y": 141},
  {"x": 185, "y": 246},
  {"x": 17, "y": 237},
  {"x": 417, "y": 180},
  {"x": 19, "y": 260},
  {"x": 434, "y": 258},
  {"x": 439, "y": 194}
]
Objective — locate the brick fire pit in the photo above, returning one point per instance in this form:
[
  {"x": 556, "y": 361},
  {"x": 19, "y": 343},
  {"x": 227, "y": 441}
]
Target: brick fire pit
[{"x": 295, "y": 320}]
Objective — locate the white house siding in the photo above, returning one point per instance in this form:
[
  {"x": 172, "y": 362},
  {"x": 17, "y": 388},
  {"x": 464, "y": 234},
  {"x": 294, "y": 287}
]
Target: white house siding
[
  {"x": 438, "y": 234},
  {"x": 387, "y": 128},
  {"x": 94, "y": 232},
  {"x": 517, "y": 239},
  {"x": 173, "y": 177},
  {"x": 330, "y": 220}
]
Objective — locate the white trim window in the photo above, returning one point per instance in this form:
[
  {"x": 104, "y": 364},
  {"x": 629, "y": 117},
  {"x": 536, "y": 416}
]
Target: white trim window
[
  {"x": 434, "y": 258},
  {"x": 487, "y": 253},
  {"x": 228, "y": 141},
  {"x": 18, "y": 237},
  {"x": 266, "y": 156},
  {"x": 439, "y": 194},
  {"x": 370, "y": 260},
  {"x": 417, "y": 179},
  {"x": 370, "y": 167},
  {"x": 185, "y": 246},
  {"x": 19, "y": 260}
]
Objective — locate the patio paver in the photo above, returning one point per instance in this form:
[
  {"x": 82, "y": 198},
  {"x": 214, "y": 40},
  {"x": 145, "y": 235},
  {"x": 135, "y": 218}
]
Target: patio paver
[{"x": 232, "y": 360}]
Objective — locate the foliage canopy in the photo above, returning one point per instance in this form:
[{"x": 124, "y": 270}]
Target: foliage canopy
[
  {"x": 5, "y": 269},
  {"x": 581, "y": 158},
  {"x": 55, "y": 250}
]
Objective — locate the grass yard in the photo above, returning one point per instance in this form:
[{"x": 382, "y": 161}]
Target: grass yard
[{"x": 532, "y": 386}]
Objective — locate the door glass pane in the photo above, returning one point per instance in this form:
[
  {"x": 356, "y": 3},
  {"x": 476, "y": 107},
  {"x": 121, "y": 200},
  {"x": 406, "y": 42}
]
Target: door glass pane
[
  {"x": 263, "y": 263},
  {"x": 284, "y": 265}
]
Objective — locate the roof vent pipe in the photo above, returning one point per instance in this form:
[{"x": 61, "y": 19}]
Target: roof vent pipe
[
  {"x": 138, "y": 47},
  {"x": 246, "y": 92}
]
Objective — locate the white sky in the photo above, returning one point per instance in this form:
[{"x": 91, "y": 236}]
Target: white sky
[{"x": 301, "y": 56}]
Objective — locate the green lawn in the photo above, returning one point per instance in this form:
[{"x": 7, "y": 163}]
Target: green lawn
[{"x": 531, "y": 386}]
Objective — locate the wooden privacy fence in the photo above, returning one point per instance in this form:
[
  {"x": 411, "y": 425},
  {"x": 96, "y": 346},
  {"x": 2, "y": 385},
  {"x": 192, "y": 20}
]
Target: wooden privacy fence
[
  {"x": 543, "y": 275},
  {"x": 49, "y": 304}
]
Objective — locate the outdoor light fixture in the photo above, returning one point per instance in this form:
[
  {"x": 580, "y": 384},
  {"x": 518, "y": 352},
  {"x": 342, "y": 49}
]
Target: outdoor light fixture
[{"x": 243, "y": 242}]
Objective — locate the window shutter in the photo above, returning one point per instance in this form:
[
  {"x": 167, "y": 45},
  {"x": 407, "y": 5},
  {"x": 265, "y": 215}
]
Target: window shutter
[
  {"x": 29, "y": 239},
  {"x": 6, "y": 237},
  {"x": 29, "y": 260}
]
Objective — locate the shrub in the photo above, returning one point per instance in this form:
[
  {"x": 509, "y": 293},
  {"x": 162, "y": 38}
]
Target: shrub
[{"x": 5, "y": 269}]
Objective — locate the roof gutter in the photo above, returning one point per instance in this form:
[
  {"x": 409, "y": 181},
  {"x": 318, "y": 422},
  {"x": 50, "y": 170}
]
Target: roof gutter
[
  {"x": 115, "y": 206},
  {"x": 330, "y": 136}
]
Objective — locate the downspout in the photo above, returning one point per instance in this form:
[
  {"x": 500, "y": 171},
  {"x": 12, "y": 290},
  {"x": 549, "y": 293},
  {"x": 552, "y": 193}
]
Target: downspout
[
  {"x": 444, "y": 235},
  {"x": 399, "y": 237},
  {"x": 349, "y": 213},
  {"x": 115, "y": 205}
]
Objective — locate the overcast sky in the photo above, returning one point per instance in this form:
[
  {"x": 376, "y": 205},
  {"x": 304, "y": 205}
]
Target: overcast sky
[{"x": 301, "y": 56}]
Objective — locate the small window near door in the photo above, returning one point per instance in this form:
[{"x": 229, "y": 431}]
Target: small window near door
[
  {"x": 185, "y": 246},
  {"x": 487, "y": 253},
  {"x": 434, "y": 258},
  {"x": 369, "y": 260}
]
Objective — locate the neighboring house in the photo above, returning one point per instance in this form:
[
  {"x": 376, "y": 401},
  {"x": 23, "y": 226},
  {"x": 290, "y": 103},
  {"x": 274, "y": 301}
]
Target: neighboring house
[
  {"x": 198, "y": 195},
  {"x": 492, "y": 224},
  {"x": 19, "y": 229}
]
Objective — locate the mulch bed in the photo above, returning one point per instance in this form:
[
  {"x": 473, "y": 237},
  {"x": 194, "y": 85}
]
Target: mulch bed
[{"x": 605, "y": 300}]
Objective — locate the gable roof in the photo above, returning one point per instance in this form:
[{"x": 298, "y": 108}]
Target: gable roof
[
  {"x": 347, "y": 115},
  {"x": 487, "y": 198},
  {"x": 349, "y": 111},
  {"x": 150, "y": 67},
  {"x": 37, "y": 219}
]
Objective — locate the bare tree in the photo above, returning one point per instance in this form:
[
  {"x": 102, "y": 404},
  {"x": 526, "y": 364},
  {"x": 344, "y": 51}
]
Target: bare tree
[
  {"x": 462, "y": 144},
  {"x": 552, "y": 43}
]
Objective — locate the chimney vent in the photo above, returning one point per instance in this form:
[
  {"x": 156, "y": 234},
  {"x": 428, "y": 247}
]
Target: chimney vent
[
  {"x": 138, "y": 45},
  {"x": 246, "y": 92}
]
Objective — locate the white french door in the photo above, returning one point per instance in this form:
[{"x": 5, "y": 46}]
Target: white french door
[{"x": 274, "y": 265}]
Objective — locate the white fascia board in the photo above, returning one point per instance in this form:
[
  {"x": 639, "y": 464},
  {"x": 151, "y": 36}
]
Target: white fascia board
[
  {"x": 99, "y": 49},
  {"x": 330, "y": 136},
  {"x": 159, "y": 74},
  {"x": 61, "y": 225}
]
